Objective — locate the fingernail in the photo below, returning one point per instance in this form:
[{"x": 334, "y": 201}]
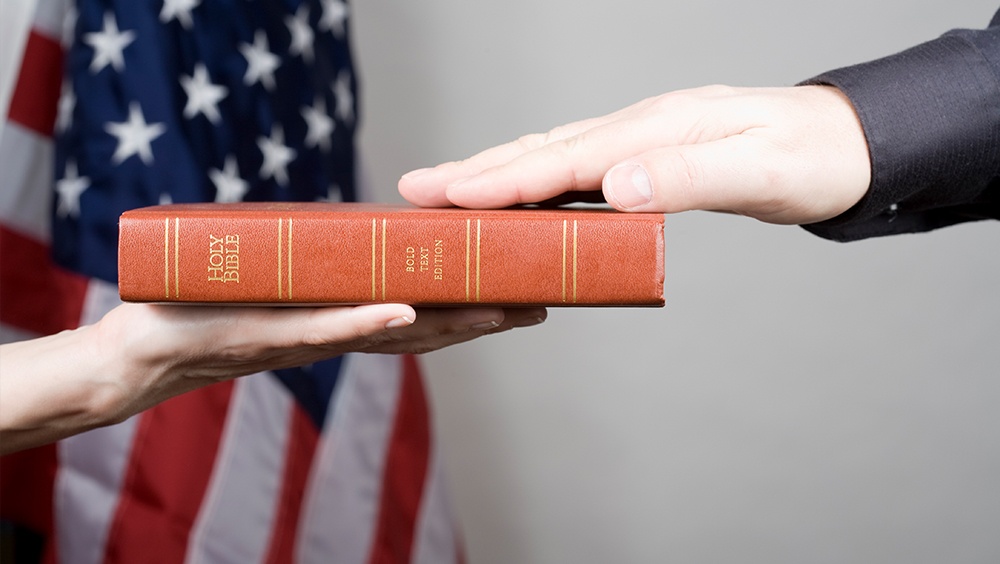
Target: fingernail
[
  {"x": 628, "y": 185},
  {"x": 399, "y": 322},
  {"x": 528, "y": 321},
  {"x": 486, "y": 325},
  {"x": 415, "y": 173}
]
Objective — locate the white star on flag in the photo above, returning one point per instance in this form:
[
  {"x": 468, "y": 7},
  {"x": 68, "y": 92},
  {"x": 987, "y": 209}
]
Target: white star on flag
[
  {"x": 344, "y": 97},
  {"x": 179, "y": 10},
  {"x": 135, "y": 136},
  {"x": 229, "y": 187},
  {"x": 302, "y": 34},
  {"x": 203, "y": 96},
  {"x": 320, "y": 125},
  {"x": 109, "y": 45},
  {"x": 334, "y": 16},
  {"x": 261, "y": 62},
  {"x": 276, "y": 156},
  {"x": 69, "y": 188}
]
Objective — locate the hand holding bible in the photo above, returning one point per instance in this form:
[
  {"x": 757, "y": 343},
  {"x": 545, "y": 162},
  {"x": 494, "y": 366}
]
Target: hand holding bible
[
  {"x": 781, "y": 155},
  {"x": 139, "y": 355}
]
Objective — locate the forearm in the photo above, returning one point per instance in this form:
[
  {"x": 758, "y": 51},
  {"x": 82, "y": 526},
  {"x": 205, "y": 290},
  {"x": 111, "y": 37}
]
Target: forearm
[
  {"x": 139, "y": 355},
  {"x": 54, "y": 387}
]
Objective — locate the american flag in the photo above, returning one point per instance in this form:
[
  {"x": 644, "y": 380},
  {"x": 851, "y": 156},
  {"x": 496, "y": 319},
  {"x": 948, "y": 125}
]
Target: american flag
[{"x": 120, "y": 104}]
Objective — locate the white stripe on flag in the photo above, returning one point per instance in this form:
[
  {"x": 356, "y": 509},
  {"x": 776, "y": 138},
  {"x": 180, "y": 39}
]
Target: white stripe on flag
[
  {"x": 92, "y": 466},
  {"x": 236, "y": 519},
  {"x": 52, "y": 17},
  {"x": 343, "y": 494},
  {"x": 26, "y": 164},
  {"x": 434, "y": 541},
  {"x": 15, "y": 18}
]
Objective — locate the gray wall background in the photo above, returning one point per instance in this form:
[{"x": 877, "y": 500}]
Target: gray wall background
[{"x": 796, "y": 401}]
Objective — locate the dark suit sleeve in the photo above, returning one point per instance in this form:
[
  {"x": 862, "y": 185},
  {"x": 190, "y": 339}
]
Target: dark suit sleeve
[{"x": 931, "y": 115}]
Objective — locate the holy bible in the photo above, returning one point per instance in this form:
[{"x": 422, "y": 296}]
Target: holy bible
[{"x": 325, "y": 253}]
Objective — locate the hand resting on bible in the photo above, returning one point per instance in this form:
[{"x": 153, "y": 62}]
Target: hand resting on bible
[{"x": 781, "y": 155}]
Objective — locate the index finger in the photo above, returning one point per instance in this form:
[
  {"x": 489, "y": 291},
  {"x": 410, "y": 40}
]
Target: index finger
[
  {"x": 572, "y": 165},
  {"x": 427, "y": 187}
]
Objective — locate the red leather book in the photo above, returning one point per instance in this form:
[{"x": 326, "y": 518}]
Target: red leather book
[{"x": 289, "y": 253}]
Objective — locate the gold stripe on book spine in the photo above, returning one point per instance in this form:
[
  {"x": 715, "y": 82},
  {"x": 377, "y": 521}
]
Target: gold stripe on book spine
[
  {"x": 479, "y": 239},
  {"x": 374, "y": 238},
  {"x": 468, "y": 267},
  {"x": 177, "y": 257},
  {"x": 289, "y": 258},
  {"x": 385, "y": 223},
  {"x": 284, "y": 260},
  {"x": 166, "y": 258},
  {"x": 280, "y": 249}
]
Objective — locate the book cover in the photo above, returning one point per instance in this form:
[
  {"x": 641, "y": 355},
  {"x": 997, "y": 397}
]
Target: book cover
[{"x": 323, "y": 253}]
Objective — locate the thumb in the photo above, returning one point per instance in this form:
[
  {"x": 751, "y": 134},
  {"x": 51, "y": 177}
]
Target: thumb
[{"x": 726, "y": 174}]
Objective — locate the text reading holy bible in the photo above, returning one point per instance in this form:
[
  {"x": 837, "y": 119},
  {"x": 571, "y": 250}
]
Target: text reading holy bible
[{"x": 313, "y": 253}]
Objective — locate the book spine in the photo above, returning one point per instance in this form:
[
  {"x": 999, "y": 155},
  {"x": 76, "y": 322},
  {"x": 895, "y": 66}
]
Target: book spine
[{"x": 446, "y": 260}]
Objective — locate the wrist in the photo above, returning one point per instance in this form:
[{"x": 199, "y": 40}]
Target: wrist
[
  {"x": 53, "y": 387},
  {"x": 931, "y": 135}
]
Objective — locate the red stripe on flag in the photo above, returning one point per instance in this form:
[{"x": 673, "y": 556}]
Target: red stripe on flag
[
  {"x": 35, "y": 99},
  {"x": 459, "y": 547},
  {"x": 172, "y": 458},
  {"x": 27, "y": 479},
  {"x": 36, "y": 295},
  {"x": 405, "y": 471},
  {"x": 302, "y": 441}
]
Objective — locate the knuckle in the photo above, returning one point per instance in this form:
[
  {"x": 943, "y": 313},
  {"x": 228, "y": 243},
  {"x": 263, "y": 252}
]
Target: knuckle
[
  {"x": 533, "y": 141},
  {"x": 383, "y": 337},
  {"x": 312, "y": 333},
  {"x": 566, "y": 152},
  {"x": 688, "y": 172},
  {"x": 687, "y": 178},
  {"x": 665, "y": 103},
  {"x": 776, "y": 164},
  {"x": 558, "y": 133},
  {"x": 313, "y": 338},
  {"x": 716, "y": 90},
  {"x": 690, "y": 99}
]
